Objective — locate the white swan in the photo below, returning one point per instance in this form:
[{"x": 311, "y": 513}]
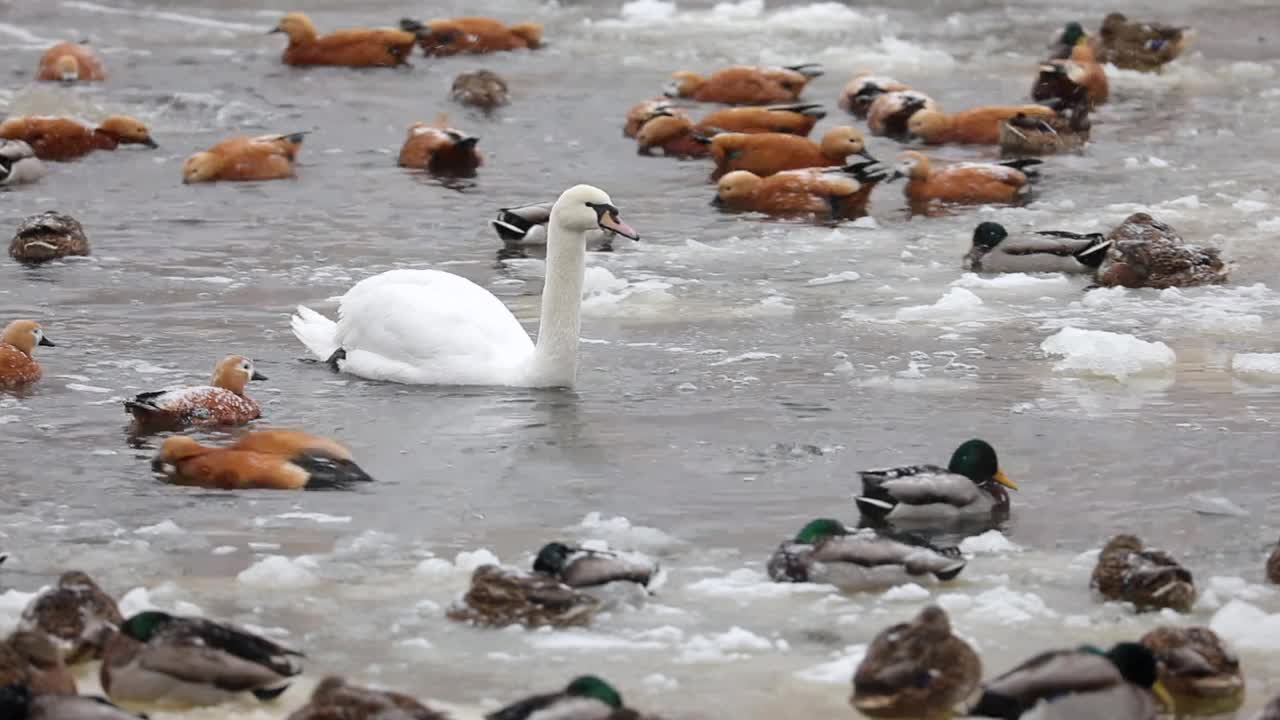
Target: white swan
[{"x": 428, "y": 327}]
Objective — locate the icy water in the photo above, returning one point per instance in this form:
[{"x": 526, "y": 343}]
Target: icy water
[{"x": 736, "y": 372}]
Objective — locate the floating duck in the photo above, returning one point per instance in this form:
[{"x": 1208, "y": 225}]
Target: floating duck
[
  {"x": 891, "y": 112},
  {"x": 1062, "y": 80},
  {"x": 646, "y": 110},
  {"x": 1120, "y": 684},
  {"x": 1200, "y": 672},
  {"x": 744, "y": 84},
  {"x": 221, "y": 402},
  {"x": 158, "y": 657},
  {"x": 1273, "y": 565},
  {"x": 1040, "y": 251},
  {"x": 60, "y": 139},
  {"x": 916, "y": 669},
  {"x": 527, "y": 225},
  {"x": 1145, "y": 252},
  {"x": 462, "y": 334},
  {"x": 678, "y": 136},
  {"x": 266, "y": 460},
  {"x": 482, "y": 88},
  {"x": 1023, "y": 135},
  {"x": 972, "y": 482},
  {"x": 825, "y": 551},
  {"x": 1143, "y": 46},
  {"x": 18, "y": 368},
  {"x": 31, "y": 659},
  {"x": 70, "y": 62},
  {"x": 863, "y": 89},
  {"x": 971, "y": 183},
  {"x": 440, "y": 149},
  {"x": 586, "y": 698},
  {"x": 764, "y": 154},
  {"x": 581, "y": 567},
  {"x": 1066, "y": 40},
  {"x": 240, "y": 158},
  {"x": 19, "y": 702},
  {"x": 501, "y": 596},
  {"x": 825, "y": 193},
  {"x": 336, "y": 699},
  {"x": 48, "y": 236},
  {"x": 1149, "y": 579},
  {"x": 674, "y": 136},
  {"x": 451, "y": 36},
  {"x": 976, "y": 126},
  {"x": 19, "y": 164},
  {"x": 355, "y": 47},
  {"x": 76, "y": 614}
]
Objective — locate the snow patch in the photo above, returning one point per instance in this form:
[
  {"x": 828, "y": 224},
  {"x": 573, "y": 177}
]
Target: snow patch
[{"x": 1106, "y": 354}]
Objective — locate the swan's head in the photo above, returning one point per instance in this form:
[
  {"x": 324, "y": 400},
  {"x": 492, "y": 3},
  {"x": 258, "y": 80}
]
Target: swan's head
[{"x": 582, "y": 208}]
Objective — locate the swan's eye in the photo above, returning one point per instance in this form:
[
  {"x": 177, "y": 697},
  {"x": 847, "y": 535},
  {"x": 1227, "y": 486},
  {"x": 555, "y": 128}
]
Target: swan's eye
[{"x": 603, "y": 209}]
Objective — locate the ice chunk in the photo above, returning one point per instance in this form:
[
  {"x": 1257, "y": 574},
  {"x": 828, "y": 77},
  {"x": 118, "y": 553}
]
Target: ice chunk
[
  {"x": 957, "y": 304},
  {"x": 1207, "y": 504},
  {"x": 1256, "y": 363},
  {"x": 746, "y": 357},
  {"x": 746, "y": 583},
  {"x": 1107, "y": 354},
  {"x": 278, "y": 572},
  {"x": 991, "y": 542},
  {"x": 619, "y": 532},
  {"x": 164, "y": 527},
  {"x": 648, "y": 11},
  {"x": 1247, "y": 627},
  {"x": 907, "y": 591},
  {"x": 833, "y": 278},
  {"x": 727, "y": 646},
  {"x": 1013, "y": 281},
  {"x": 836, "y": 672}
]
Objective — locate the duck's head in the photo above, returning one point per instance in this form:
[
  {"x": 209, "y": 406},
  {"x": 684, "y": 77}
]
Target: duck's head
[
  {"x": 201, "y": 167},
  {"x": 25, "y": 335},
  {"x": 297, "y": 26},
  {"x": 590, "y": 686},
  {"x": 844, "y": 141},
  {"x": 912, "y": 165},
  {"x": 935, "y": 620},
  {"x": 583, "y": 208},
  {"x": 1073, "y": 34},
  {"x": 234, "y": 372},
  {"x": 737, "y": 185},
  {"x": 819, "y": 530},
  {"x": 144, "y": 625},
  {"x": 860, "y": 92},
  {"x": 552, "y": 558},
  {"x": 661, "y": 129},
  {"x": 683, "y": 83},
  {"x": 127, "y": 131},
  {"x": 77, "y": 579},
  {"x": 68, "y": 68},
  {"x": 1122, "y": 543},
  {"x": 1138, "y": 665},
  {"x": 976, "y": 460},
  {"x": 988, "y": 235}
]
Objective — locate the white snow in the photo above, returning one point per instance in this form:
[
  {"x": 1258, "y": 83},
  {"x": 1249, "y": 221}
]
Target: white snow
[
  {"x": 907, "y": 591},
  {"x": 1100, "y": 353},
  {"x": 1256, "y": 363},
  {"x": 619, "y": 532},
  {"x": 833, "y": 278},
  {"x": 744, "y": 584},
  {"x": 956, "y": 304},
  {"x": 835, "y": 672},
  {"x": 991, "y": 542},
  {"x": 753, "y": 356},
  {"x": 278, "y": 572},
  {"x": 1013, "y": 281},
  {"x": 164, "y": 527},
  {"x": 1247, "y": 627}
]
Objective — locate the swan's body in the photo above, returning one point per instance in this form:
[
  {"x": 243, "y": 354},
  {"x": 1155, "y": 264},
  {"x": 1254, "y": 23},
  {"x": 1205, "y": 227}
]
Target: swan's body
[{"x": 428, "y": 327}]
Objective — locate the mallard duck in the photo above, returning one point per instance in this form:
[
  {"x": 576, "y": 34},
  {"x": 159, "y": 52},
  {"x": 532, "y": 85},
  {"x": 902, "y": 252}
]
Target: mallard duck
[
  {"x": 586, "y": 698},
  {"x": 826, "y": 551},
  {"x": 1200, "y": 672},
  {"x": 1040, "y": 251},
  {"x": 48, "y": 236},
  {"x": 972, "y": 482},
  {"x": 336, "y": 699},
  {"x": 1145, "y": 252},
  {"x": 917, "y": 669},
  {"x": 1061, "y": 81},
  {"x": 1150, "y": 579},
  {"x": 527, "y": 225},
  {"x": 19, "y": 164},
  {"x": 1271, "y": 711},
  {"x": 1273, "y": 565},
  {"x": 76, "y": 614},
  {"x": 1143, "y": 46},
  {"x": 579, "y": 567},
  {"x": 1023, "y": 135},
  {"x": 501, "y": 596},
  {"x": 31, "y": 658},
  {"x": 157, "y": 657},
  {"x": 484, "y": 89},
  {"x": 18, "y": 702},
  {"x": 1071, "y": 35},
  {"x": 1075, "y": 684}
]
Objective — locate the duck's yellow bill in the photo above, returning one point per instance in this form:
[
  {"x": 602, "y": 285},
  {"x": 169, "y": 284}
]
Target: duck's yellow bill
[
  {"x": 1004, "y": 480},
  {"x": 1163, "y": 696}
]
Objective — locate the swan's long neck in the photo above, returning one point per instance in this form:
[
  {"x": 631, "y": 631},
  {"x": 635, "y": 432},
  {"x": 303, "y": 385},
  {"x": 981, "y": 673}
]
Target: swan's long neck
[{"x": 555, "y": 359}]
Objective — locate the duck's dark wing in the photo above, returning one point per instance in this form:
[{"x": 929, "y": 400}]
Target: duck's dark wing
[
  {"x": 242, "y": 644},
  {"x": 1045, "y": 676},
  {"x": 524, "y": 708}
]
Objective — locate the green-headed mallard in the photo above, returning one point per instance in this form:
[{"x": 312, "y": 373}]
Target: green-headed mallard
[
  {"x": 76, "y": 614},
  {"x": 972, "y": 482},
  {"x": 826, "y": 551},
  {"x": 157, "y": 657},
  {"x": 994, "y": 251},
  {"x": 18, "y": 702},
  {"x": 1150, "y": 579},
  {"x": 582, "y": 567},
  {"x": 1143, "y": 46},
  {"x": 586, "y": 698},
  {"x": 1145, "y": 252},
  {"x": 1064, "y": 42},
  {"x": 31, "y": 658},
  {"x": 917, "y": 669},
  {"x": 1273, "y": 565},
  {"x": 336, "y": 699},
  {"x": 1078, "y": 684},
  {"x": 501, "y": 596},
  {"x": 1200, "y": 672}
]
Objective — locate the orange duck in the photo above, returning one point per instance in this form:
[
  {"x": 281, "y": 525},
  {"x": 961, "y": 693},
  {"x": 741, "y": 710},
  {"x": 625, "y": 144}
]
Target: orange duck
[
  {"x": 744, "y": 84},
  {"x": 677, "y": 135},
  {"x": 767, "y": 153},
  {"x": 296, "y": 463},
  {"x": 70, "y": 62},
  {"x": 834, "y": 193},
  {"x": 863, "y": 89},
  {"x": 646, "y": 110},
  {"x": 60, "y": 138},
  {"x": 355, "y": 47},
  {"x": 269, "y": 157},
  {"x": 976, "y": 126},
  {"x": 968, "y": 183},
  {"x": 1063, "y": 80},
  {"x": 453, "y": 36},
  {"x": 890, "y": 112},
  {"x": 440, "y": 149},
  {"x": 17, "y": 343},
  {"x": 221, "y": 402}
]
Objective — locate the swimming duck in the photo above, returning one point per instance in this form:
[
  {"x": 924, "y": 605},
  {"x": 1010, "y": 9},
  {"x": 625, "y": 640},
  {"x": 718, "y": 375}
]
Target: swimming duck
[
  {"x": 19, "y": 702},
  {"x": 972, "y": 482},
  {"x": 1149, "y": 579},
  {"x": 672, "y": 135},
  {"x": 501, "y": 596},
  {"x": 452, "y": 36},
  {"x": 1023, "y": 135},
  {"x": 76, "y": 613},
  {"x": 1066, "y": 40},
  {"x": 764, "y": 154},
  {"x": 70, "y": 62},
  {"x": 336, "y": 699},
  {"x": 158, "y": 657},
  {"x": 483, "y": 89},
  {"x": 646, "y": 110},
  {"x": 1200, "y": 672},
  {"x": 221, "y": 402},
  {"x": 1273, "y": 565},
  {"x": 825, "y": 551},
  {"x": 48, "y": 236},
  {"x": 678, "y": 136},
  {"x": 916, "y": 669},
  {"x": 586, "y": 698},
  {"x": 1041, "y": 251},
  {"x": 744, "y": 84},
  {"x": 1135, "y": 45},
  {"x": 60, "y": 139},
  {"x": 1062, "y": 80},
  {"x": 430, "y": 327},
  {"x": 975, "y": 126},
  {"x": 18, "y": 368},
  {"x": 241, "y": 158},
  {"x": 971, "y": 183},
  {"x": 825, "y": 193},
  {"x": 1145, "y": 252},
  {"x": 278, "y": 460},
  {"x": 31, "y": 659},
  {"x": 19, "y": 164},
  {"x": 440, "y": 149},
  {"x": 580, "y": 567},
  {"x": 863, "y": 89},
  {"x": 891, "y": 112},
  {"x": 527, "y": 225},
  {"x": 1073, "y": 684},
  {"x": 354, "y": 47}
]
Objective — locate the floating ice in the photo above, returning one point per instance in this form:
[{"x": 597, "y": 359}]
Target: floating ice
[
  {"x": 957, "y": 304},
  {"x": 725, "y": 647},
  {"x": 1245, "y": 205},
  {"x": 746, "y": 357},
  {"x": 1013, "y": 281},
  {"x": 467, "y": 561},
  {"x": 12, "y": 603},
  {"x": 165, "y": 527},
  {"x": 836, "y": 672},
  {"x": 1256, "y": 363},
  {"x": 1107, "y": 354},
  {"x": 1206, "y": 504},
  {"x": 1009, "y": 607},
  {"x": 745, "y": 583},
  {"x": 833, "y": 278},
  {"x": 588, "y": 641},
  {"x": 278, "y": 572},
  {"x": 908, "y": 591},
  {"x": 314, "y": 517},
  {"x": 620, "y": 532},
  {"x": 991, "y": 542},
  {"x": 1247, "y": 627}
]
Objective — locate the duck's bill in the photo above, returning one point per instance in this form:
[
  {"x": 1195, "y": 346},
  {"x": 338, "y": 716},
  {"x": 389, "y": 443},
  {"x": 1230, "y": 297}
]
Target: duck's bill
[
  {"x": 147, "y": 141},
  {"x": 46, "y": 342},
  {"x": 1162, "y": 694},
  {"x": 610, "y": 222},
  {"x": 1004, "y": 480},
  {"x": 257, "y": 376}
]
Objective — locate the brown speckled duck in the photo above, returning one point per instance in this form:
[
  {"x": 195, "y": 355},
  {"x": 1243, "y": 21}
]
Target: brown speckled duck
[
  {"x": 1128, "y": 571},
  {"x": 221, "y": 402},
  {"x": 1147, "y": 253},
  {"x": 501, "y": 596},
  {"x": 483, "y": 89},
  {"x": 18, "y": 366},
  {"x": 1197, "y": 668},
  {"x": 48, "y": 236},
  {"x": 1136, "y": 45},
  {"x": 76, "y": 613},
  {"x": 916, "y": 669},
  {"x": 30, "y": 658},
  {"x": 1023, "y": 135},
  {"x": 1273, "y": 565},
  {"x": 336, "y": 699}
]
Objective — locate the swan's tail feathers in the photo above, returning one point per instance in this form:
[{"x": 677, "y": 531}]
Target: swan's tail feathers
[{"x": 315, "y": 331}]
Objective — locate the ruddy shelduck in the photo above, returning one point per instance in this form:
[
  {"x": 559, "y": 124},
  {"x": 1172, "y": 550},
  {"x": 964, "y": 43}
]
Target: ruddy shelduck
[
  {"x": 48, "y": 236},
  {"x": 891, "y": 111},
  {"x": 646, "y": 110},
  {"x": 767, "y": 153},
  {"x": 269, "y": 157},
  {"x": 70, "y": 62},
  {"x": 963, "y": 183},
  {"x": 482, "y": 89},
  {"x": 677, "y": 135},
  {"x": 453, "y": 36},
  {"x": 744, "y": 84},
  {"x": 17, "y": 343},
  {"x": 273, "y": 464},
  {"x": 976, "y": 126},
  {"x": 674, "y": 135},
  {"x": 353, "y": 47},
  {"x": 858, "y": 94},
  {"x": 834, "y": 193},
  {"x": 221, "y": 402},
  {"x": 440, "y": 149},
  {"x": 61, "y": 138}
]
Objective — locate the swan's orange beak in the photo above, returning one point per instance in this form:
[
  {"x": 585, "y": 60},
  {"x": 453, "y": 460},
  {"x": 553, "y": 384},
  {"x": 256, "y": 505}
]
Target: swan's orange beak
[{"x": 610, "y": 221}]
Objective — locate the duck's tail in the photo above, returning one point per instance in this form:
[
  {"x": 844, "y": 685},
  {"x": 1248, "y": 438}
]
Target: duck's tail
[
  {"x": 315, "y": 331},
  {"x": 809, "y": 70},
  {"x": 327, "y": 472},
  {"x": 531, "y": 32}
]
